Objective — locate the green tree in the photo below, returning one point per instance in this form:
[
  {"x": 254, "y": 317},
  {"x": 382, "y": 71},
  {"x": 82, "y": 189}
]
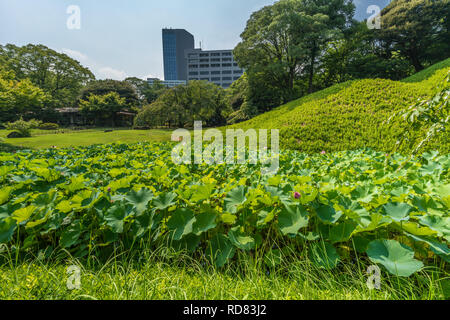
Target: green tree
[
  {"x": 56, "y": 73},
  {"x": 419, "y": 29},
  {"x": 102, "y": 87},
  {"x": 20, "y": 98},
  {"x": 103, "y": 108},
  {"x": 182, "y": 105},
  {"x": 147, "y": 93},
  {"x": 285, "y": 41}
]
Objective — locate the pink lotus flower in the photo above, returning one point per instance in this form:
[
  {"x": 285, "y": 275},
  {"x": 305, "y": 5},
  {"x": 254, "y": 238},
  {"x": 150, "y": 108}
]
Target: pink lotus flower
[
  {"x": 297, "y": 195},
  {"x": 109, "y": 189},
  {"x": 323, "y": 152}
]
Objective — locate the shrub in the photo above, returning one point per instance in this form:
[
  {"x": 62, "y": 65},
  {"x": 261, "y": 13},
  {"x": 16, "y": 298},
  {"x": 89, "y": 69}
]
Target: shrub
[
  {"x": 49, "y": 126},
  {"x": 22, "y": 127},
  {"x": 351, "y": 116}
]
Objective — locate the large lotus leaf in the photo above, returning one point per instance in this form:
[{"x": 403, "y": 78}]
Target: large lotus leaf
[
  {"x": 324, "y": 255},
  {"x": 4, "y": 194},
  {"x": 190, "y": 242},
  {"x": 115, "y": 217},
  {"x": 398, "y": 211},
  {"x": 240, "y": 239},
  {"x": 342, "y": 231},
  {"x": 444, "y": 192},
  {"x": 441, "y": 249},
  {"x": 71, "y": 235},
  {"x": 397, "y": 258},
  {"x": 204, "y": 222},
  {"x": 437, "y": 223},
  {"x": 292, "y": 218},
  {"x": 362, "y": 194},
  {"x": 234, "y": 199},
  {"x": 415, "y": 229},
  {"x": 220, "y": 250},
  {"x": 140, "y": 199},
  {"x": 23, "y": 214},
  {"x": 202, "y": 192},
  {"x": 181, "y": 223},
  {"x": 328, "y": 214},
  {"x": 7, "y": 228},
  {"x": 165, "y": 200}
]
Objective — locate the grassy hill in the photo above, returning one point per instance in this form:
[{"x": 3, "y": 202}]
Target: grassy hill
[{"x": 351, "y": 115}]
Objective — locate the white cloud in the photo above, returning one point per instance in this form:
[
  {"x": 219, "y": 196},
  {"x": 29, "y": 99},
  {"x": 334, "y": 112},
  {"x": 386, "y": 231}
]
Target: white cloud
[
  {"x": 111, "y": 73},
  {"x": 75, "y": 54},
  {"x": 100, "y": 71}
]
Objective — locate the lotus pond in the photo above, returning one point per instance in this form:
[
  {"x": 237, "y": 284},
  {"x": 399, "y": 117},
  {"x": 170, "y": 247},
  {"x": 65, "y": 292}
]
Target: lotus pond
[{"x": 388, "y": 210}]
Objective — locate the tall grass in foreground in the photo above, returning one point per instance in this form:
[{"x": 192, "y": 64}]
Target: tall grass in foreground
[{"x": 164, "y": 273}]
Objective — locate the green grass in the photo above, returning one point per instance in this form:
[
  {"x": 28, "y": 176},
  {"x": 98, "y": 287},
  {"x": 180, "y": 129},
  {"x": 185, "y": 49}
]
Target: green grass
[
  {"x": 168, "y": 275},
  {"x": 429, "y": 72},
  {"x": 351, "y": 115},
  {"x": 41, "y": 139}
]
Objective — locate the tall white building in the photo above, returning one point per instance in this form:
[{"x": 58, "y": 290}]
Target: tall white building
[{"x": 217, "y": 66}]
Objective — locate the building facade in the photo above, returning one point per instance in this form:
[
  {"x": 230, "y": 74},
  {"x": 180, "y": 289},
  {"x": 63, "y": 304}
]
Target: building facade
[
  {"x": 175, "y": 43},
  {"x": 216, "y": 66},
  {"x": 167, "y": 83}
]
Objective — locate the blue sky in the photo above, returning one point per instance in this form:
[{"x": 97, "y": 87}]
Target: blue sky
[{"x": 121, "y": 38}]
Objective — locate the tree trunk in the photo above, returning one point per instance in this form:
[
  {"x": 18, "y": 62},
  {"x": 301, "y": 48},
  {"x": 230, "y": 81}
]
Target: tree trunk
[{"x": 415, "y": 59}]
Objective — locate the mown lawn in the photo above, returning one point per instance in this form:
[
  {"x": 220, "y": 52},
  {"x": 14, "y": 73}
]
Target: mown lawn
[{"x": 68, "y": 138}]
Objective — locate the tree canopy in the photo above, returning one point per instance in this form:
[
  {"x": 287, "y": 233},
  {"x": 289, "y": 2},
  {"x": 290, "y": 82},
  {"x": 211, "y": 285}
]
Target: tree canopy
[{"x": 55, "y": 73}]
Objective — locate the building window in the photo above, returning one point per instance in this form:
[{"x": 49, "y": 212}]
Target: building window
[
  {"x": 215, "y": 72},
  {"x": 203, "y": 73},
  {"x": 226, "y": 64},
  {"x": 193, "y": 60},
  {"x": 193, "y": 66},
  {"x": 226, "y": 78},
  {"x": 226, "y": 72},
  {"x": 229, "y": 54},
  {"x": 204, "y": 79},
  {"x": 193, "y": 73},
  {"x": 190, "y": 79},
  {"x": 193, "y": 55},
  {"x": 215, "y": 79},
  {"x": 204, "y": 54},
  {"x": 215, "y": 60},
  {"x": 236, "y": 78},
  {"x": 235, "y": 64},
  {"x": 215, "y": 65},
  {"x": 215, "y": 54},
  {"x": 204, "y": 60},
  {"x": 238, "y": 71},
  {"x": 226, "y": 59},
  {"x": 204, "y": 66}
]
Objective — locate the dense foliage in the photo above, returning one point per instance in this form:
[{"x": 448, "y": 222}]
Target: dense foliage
[
  {"x": 418, "y": 29},
  {"x": 55, "y": 73},
  {"x": 294, "y": 47},
  {"x": 182, "y": 105},
  {"x": 20, "y": 98},
  {"x": 352, "y": 115},
  {"x": 101, "y": 109},
  {"x": 391, "y": 208}
]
